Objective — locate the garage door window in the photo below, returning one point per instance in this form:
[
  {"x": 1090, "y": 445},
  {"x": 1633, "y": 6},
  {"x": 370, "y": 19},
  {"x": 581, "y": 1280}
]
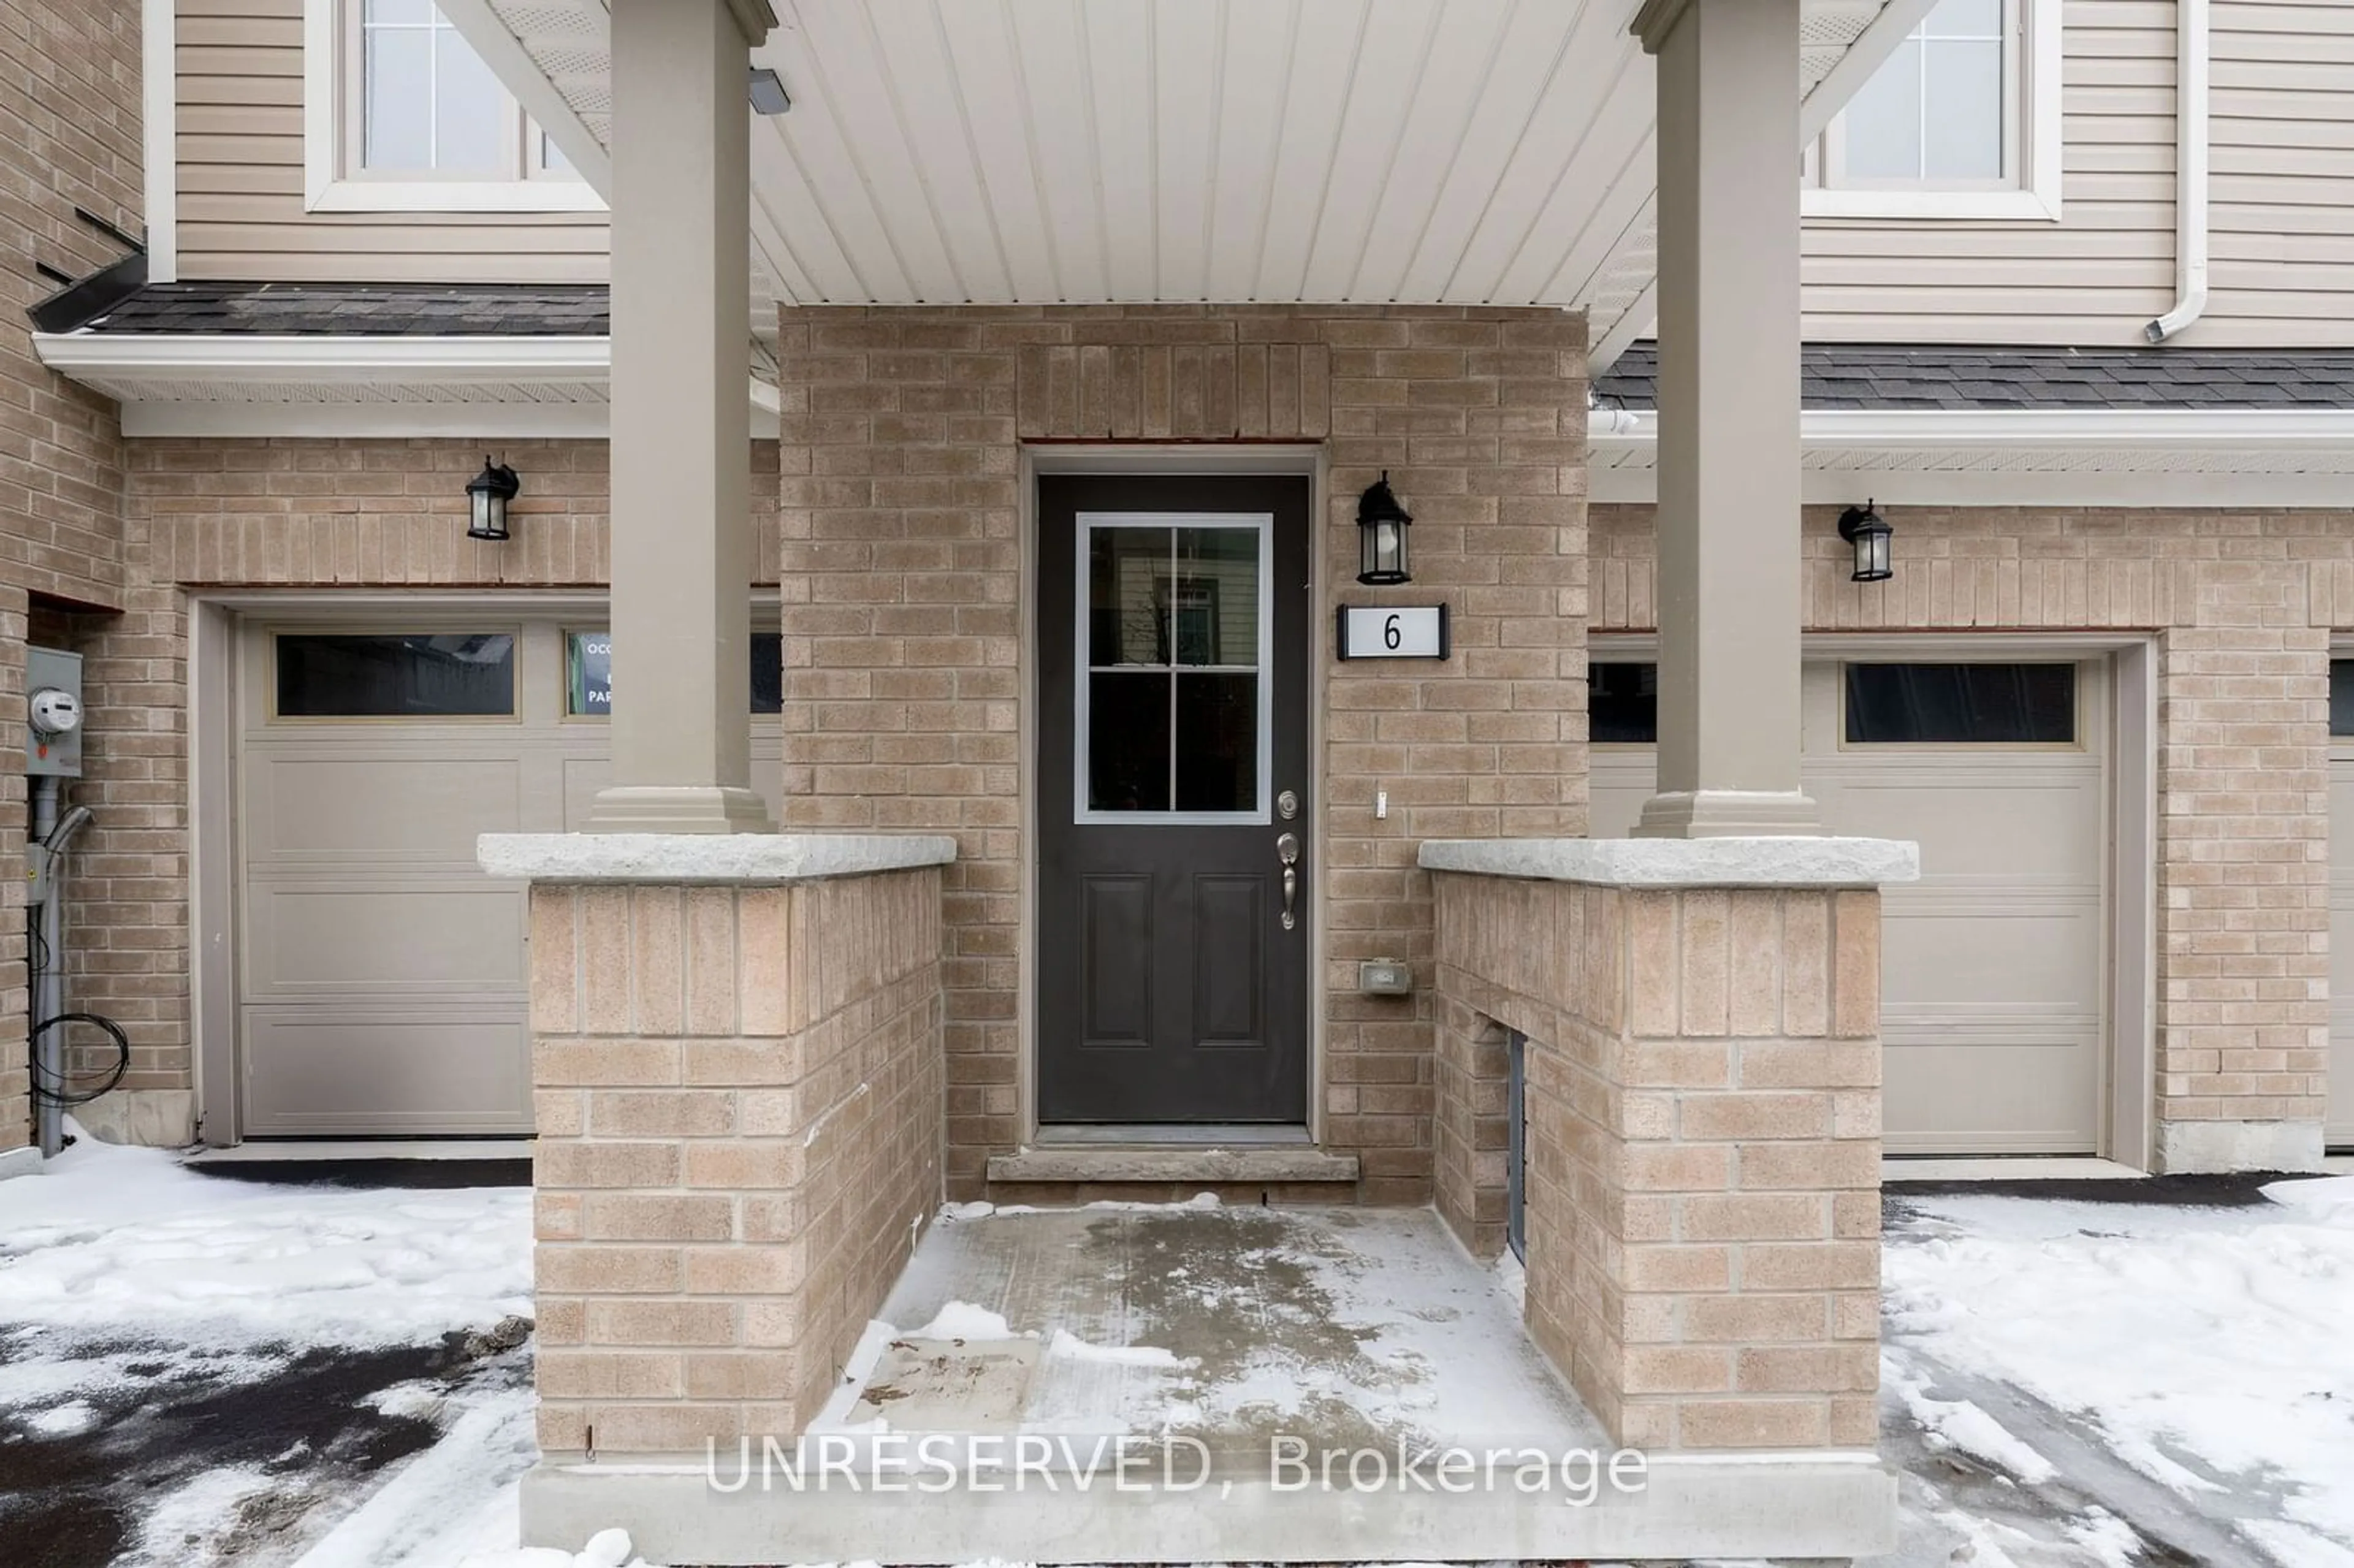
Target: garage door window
[
  {"x": 1961, "y": 704},
  {"x": 588, "y": 674},
  {"x": 1622, "y": 705},
  {"x": 396, "y": 675}
]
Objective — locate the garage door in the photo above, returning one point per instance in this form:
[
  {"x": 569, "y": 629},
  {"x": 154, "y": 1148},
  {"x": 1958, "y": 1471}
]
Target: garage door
[
  {"x": 2339, "y": 1132},
  {"x": 381, "y": 980},
  {"x": 1993, "y": 965}
]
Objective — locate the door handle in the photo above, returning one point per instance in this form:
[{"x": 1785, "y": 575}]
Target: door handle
[{"x": 1287, "y": 849}]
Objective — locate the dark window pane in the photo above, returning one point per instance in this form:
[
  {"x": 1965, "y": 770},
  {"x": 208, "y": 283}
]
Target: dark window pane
[
  {"x": 1217, "y": 743},
  {"x": 768, "y": 672},
  {"x": 1622, "y": 704},
  {"x": 1960, "y": 704},
  {"x": 1128, "y": 742},
  {"x": 465, "y": 675},
  {"x": 1128, "y": 572},
  {"x": 2342, "y": 696}
]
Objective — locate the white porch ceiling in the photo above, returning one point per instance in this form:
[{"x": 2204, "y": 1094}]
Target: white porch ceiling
[{"x": 1040, "y": 152}]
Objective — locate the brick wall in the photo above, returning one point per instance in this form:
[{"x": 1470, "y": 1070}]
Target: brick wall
[
  {"x": 278, "y": 513},
  {"x": 2243, "y": 604},
  {"x": 69, "y": 137},
  {"x": 902, "y": 556},
  {"x": 1703, "y": 1145},
  {"x": 738, "y": 1096}
]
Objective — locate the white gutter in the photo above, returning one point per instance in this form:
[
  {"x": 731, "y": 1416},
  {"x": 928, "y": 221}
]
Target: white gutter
[
  {"x": 1628, "y": 431},
  {"x": 2190, "y": 39},
  {"x": 362, "y": 369},
  {"x": 328, "y": 360}
]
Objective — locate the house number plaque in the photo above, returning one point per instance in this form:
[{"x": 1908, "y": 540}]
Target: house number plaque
[{"x": 1393, "y": 631}]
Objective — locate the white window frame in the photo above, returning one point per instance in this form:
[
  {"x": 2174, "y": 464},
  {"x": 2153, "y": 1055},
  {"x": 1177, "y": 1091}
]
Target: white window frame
[
  {"x": 1261, "y": 812},
  {"x": 2030, "y": 192},
  {"x": 331, "y": 185}
]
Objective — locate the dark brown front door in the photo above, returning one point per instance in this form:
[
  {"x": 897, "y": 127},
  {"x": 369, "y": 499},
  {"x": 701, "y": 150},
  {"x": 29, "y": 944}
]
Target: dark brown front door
[{"x": 1172, "y": 618}]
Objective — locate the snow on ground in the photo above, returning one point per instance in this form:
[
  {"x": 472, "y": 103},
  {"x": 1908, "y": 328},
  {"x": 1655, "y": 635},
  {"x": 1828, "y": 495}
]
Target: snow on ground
[
  {"x": 2067, "y": 1384},
  {"x": 195, "y": 1370},
  {"x": 117, "y": 1241},
  {"x": 2185, "y": 1370}
]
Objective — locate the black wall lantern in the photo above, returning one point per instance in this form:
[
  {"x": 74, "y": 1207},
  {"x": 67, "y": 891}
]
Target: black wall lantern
[
  {"x": 1868, "y": 533},
  {"x": 488, "y": 493},
  {"x": 1381, "y": 536}
]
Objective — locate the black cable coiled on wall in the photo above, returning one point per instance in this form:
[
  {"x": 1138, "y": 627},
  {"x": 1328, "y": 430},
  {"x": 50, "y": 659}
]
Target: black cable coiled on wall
[
  {"x": 58, "y": 1089},
  {"x": 61, "y": 1092}
]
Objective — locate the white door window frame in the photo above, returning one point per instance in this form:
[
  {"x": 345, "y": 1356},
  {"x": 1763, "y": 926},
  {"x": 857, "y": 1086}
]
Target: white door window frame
[
  {"x": 2029, "y": 189},
  {"x": 332, "y": 120},
  {"x": 1173, "y": 523}
]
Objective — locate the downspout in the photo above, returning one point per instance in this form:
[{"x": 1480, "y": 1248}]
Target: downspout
[{"x": 2190, "y": 172}]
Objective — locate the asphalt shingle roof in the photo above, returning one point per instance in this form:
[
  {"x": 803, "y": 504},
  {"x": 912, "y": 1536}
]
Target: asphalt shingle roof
[
  {"x": 1896, "y": 376},
  {"x": 373, "y": 310}
]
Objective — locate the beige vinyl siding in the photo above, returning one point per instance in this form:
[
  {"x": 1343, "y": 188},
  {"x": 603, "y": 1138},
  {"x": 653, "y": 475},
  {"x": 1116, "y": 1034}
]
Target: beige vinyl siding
[
  {"x": 240, "y": 180},
  {"x": 2094, "y": 278},
  {"x": 2282, "y": 191},
  {"x": 2282, "y": 103}
]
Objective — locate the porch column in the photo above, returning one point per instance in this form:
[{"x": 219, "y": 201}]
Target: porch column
[
  {"x": 681, "y": 443},
  {"x": 1729, "y": 592}
]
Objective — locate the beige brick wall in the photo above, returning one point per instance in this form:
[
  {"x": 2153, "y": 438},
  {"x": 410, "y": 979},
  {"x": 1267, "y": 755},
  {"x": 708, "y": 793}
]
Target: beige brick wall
[
  {"x": 215, "y": 514},
  {"x": 2243, "y": 604},
  {"x": 740, "y": 1114},
  {"x": 1703, "y": 1157},
  {"x": 902, "y": 564},
  {"x": 70, "y": 135}
]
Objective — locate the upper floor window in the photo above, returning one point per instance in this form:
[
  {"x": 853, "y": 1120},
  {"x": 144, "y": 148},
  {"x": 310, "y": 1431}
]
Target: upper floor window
[
  {"x": 1961, "y": 121},
  {"x": 402, "y": 115}
]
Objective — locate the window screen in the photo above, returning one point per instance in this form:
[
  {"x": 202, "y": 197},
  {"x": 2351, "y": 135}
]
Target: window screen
[
  {"x": 1622, "y": 704},
  {"x": 424, "y": 676},
  {"x": 2342, "y": 696},
  {"x": 1961, "y": 704}
]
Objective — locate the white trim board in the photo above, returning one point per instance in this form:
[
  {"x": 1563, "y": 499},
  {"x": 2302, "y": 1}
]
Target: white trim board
[
  {"x": 363, "y": 421},
  {"x": 1822, "y": 486},
  {"x": 236, "y": 385},
  {"x": 230, "y": 357},
  {"x": 2315, "y": 430}
]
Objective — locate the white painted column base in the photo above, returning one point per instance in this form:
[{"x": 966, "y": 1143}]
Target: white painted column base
[
  {"x": 679, "y": 809},
  {"x": 2210, "y": 1147},
  {"x": 1727, "y": 814}
]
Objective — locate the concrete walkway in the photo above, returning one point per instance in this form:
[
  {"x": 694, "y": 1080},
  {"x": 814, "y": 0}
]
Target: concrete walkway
[{"x": 1348, "y": 1328}]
